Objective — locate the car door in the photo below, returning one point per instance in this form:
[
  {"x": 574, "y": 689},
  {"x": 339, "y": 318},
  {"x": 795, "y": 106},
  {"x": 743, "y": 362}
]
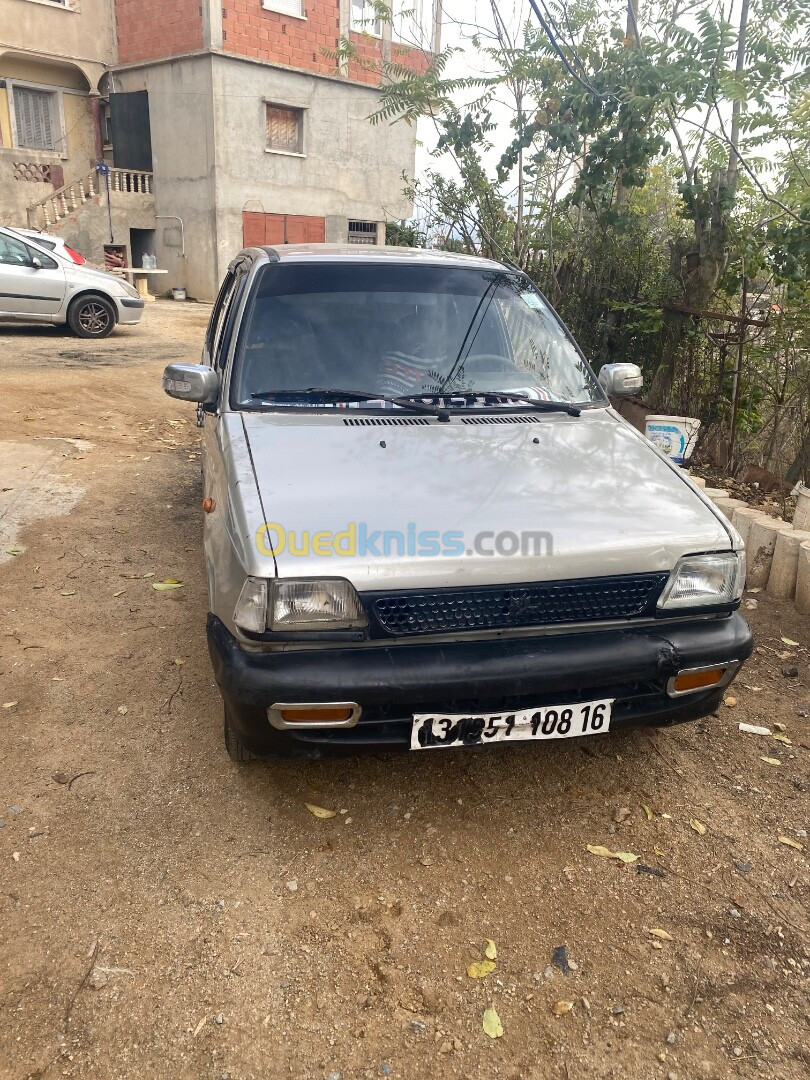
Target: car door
[
  {"x": 32, "y": 284},
  {"x": 221, "y": 328}
]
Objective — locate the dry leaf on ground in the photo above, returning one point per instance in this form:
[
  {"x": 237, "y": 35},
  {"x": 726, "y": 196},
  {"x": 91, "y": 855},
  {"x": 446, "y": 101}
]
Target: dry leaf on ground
[
  {"x": 492, "y": 1024},
  {"x": 481, "y": 968},
  {"x": 698, "y": 826},
  {"x": 606, "y": 853},
  {"x": 770, "y": 760},
  {"x": 560, "y": 1008},
  {"x": 661, "y": 934},
  {"x": 320, "y": 811},
  {"x": 789, "y": 842},
  {"x": 491, "y": 951}
]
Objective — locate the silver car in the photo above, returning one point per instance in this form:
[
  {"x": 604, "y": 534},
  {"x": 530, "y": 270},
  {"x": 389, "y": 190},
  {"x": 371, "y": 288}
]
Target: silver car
[
  {"x": 37, "y": 285},
  {"x": 426, "y": 527}
]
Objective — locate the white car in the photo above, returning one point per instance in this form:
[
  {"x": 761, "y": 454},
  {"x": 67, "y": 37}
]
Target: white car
[
  {"x": 426, "y": 527},
  {"x": 41, "y": 286},
  {"x": 51, "y": 243}
]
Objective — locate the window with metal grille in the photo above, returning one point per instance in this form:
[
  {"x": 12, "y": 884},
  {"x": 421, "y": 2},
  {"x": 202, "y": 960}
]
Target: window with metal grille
[
  {"x": 285, "y": 129},
  {"x": 35, "y": 112},
  {"x": 362, "y": 232}
]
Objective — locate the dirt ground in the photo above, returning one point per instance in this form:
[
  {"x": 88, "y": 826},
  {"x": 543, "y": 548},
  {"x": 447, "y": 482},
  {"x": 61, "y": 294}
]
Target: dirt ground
[{"x": 165, "y": 913}]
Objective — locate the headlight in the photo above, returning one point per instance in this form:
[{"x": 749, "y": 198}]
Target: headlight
[
  {"x": 299, "y": 605},
  {"x": 330, "y": 604},
  {"x": 130, "y": 290},
  {"x": 704, "y": 581}
]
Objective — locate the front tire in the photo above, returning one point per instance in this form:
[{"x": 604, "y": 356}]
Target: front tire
[
  {"x": 91, "y": 317},
  {"x": 233, "y": 744}
]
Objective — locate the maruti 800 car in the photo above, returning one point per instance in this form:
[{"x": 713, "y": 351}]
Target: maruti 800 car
[{"x": 426, "y": 527}]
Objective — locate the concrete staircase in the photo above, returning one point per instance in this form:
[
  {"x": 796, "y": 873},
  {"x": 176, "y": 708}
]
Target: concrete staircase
[
  {"x": 67, "y": 199},
  {"x": 78, "y": 211}
]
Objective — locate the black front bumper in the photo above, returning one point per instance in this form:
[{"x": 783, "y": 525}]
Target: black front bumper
[{"x": 391, "y": 683}]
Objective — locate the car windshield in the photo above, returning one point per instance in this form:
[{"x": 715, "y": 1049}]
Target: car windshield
[{"x": 402, "y": 330}]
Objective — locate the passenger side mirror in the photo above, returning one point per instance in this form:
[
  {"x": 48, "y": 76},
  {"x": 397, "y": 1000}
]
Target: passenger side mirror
[
  {"x": 620, "y": 380},
  {"x": 35, "y": 263},
  {"x": 191, "y": 382}
]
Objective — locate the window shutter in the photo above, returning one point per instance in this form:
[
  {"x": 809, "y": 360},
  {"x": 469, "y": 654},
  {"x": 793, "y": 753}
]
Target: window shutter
[
  {"x": 283, "y": 129},
  {"x": 32, "y": 109},
  {"x": 290, "y": 7}
]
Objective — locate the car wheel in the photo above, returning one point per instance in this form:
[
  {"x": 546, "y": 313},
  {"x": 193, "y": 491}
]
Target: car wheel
[
  {"x": 91, "y": 317},
  {"x": 233, "y": 744}
]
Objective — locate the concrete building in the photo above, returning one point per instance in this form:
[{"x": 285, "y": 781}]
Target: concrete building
[
  {"x": 222, "y": 122},
  {"x": 53, "y": 55}
]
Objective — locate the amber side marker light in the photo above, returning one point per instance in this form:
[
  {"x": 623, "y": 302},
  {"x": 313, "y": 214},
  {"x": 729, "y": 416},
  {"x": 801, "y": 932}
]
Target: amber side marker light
[
  {"x": 697, "y": 680},
  {"x": 208, "y": 505}
]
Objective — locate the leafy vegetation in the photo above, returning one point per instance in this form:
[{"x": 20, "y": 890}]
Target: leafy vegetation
[{"x": 649, "y": 165}]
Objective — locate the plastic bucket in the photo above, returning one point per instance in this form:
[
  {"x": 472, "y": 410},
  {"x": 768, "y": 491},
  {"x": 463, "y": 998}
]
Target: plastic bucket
[
  {"x": 178, "y": 294},
  {"x": 674, "y": 436}
]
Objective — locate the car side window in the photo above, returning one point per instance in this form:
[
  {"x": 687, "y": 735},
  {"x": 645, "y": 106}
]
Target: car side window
[
  {"x": 14, "y": 252},
  {"x": 45, "y": 261},
  {"x": 219, "y": 317}
]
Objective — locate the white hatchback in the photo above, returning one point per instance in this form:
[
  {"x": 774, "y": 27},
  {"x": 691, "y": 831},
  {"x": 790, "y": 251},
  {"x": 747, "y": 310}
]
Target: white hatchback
[{"x": 37, "y": 285}]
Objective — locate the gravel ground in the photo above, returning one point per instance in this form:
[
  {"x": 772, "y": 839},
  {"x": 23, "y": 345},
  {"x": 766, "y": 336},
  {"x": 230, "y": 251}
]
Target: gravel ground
[{"x": 166, "y": 913}]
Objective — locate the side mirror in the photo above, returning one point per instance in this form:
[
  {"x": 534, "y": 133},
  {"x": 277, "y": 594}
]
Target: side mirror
[
  {"x": 620, "y": 380},
  {"x": 35, "y": 263},
  {"x": 191, "y": 382}
]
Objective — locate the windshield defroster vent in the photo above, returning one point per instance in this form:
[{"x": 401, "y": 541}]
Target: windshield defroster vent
[
  {"x": 385, "y": 421},
  {"x": 499, "y": 419}
]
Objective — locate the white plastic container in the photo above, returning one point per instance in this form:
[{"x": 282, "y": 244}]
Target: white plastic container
[
  {"x": 674, "y": 436},
  {"x": 178, "y": 294}
]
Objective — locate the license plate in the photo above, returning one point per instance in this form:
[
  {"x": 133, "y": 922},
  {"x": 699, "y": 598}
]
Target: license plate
[{"x": 431, "y": 731}]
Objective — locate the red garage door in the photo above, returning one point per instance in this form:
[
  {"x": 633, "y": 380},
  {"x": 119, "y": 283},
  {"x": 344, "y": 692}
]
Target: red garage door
[{"x": 259, "y": 229}]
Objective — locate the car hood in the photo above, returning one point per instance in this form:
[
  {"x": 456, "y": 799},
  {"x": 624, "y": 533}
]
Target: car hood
[
  {"x": 81, "y": 273},
  {"x": 583, "y": 496}
]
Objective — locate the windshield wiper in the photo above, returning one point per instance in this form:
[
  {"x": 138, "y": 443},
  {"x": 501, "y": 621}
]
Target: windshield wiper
[
  {"x": 335, "y": 394},
  {"x": 497, "y": 397},
  {"x": 538, "y": 405}
]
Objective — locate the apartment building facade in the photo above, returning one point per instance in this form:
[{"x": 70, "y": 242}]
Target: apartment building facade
[
  {"x": 190, "y": 128},
  {"x": 53, "y": 56}
]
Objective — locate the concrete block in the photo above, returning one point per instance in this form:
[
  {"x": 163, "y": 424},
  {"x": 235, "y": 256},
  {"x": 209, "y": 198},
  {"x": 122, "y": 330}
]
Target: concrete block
[
  {"x": 785, "y": 565},
  {"x": 803, "y": 580},
  {"x": 728, "y": 506},
  {"x": 742, "y": 518},
  {"x": 760, "y": 548},
  {"x": 717, "y": 493},
  {"x": 801, "y": 516}
]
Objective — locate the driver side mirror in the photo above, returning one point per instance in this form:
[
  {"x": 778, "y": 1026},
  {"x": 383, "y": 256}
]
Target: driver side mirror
[
  {"x": 191, "y": 382},
  {"x": 620, "y": 380},
  {"x": 36, "y": 263}
]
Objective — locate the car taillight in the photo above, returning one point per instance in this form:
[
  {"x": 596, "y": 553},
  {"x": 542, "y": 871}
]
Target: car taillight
[{"x": 77, "y": 258}]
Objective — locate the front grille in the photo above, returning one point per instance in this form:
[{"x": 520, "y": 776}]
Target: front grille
[{"x": 498, "y": 607}]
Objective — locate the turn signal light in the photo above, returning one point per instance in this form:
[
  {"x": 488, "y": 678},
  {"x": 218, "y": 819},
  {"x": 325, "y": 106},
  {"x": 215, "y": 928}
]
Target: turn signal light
[
  {"x": 328, "y": 714},
  {"x": 698, "y": 680},
  {"x": 208, "y": 504}
]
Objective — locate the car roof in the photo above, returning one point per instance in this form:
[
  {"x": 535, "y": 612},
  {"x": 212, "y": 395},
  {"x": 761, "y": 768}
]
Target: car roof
[{"x": 368, "y": 253}]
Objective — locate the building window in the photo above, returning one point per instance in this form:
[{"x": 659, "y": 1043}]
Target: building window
[
  {"x": 285, "y": 129},
  {"x": 36, "y": 118},
  {"x": 286, "y": 7},
  {"x": 412, "y": 23},
  {"x": 365, "y": 19},
  {"x": 362, "y": 232}
]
